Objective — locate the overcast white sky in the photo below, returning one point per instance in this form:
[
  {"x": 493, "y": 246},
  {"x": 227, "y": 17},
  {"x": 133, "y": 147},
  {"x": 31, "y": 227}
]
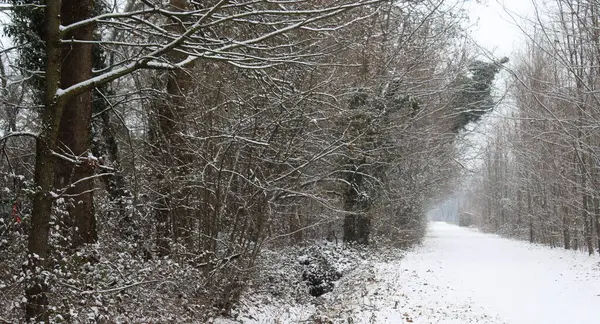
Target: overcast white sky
[{"x": 495, "y": 28}]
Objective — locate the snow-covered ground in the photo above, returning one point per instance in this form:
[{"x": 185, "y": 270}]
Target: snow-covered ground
[{"x": 457, "y": 276}]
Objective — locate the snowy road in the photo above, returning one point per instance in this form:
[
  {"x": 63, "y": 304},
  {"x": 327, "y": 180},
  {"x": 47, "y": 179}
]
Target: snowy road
[
  {"x": 457, "y": 276},
  {"x": 461, "y": 276}
]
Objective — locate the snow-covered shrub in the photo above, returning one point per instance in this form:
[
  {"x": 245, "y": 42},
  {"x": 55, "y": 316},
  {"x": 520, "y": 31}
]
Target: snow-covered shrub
[
  {"x": 319, "y": 272},
  {"x": 298, "y": 273}
]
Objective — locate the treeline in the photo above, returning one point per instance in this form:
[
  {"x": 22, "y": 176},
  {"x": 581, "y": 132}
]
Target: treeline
[
  {"x": 539, "y": 180},
  {"x": 158, "y": 147}
]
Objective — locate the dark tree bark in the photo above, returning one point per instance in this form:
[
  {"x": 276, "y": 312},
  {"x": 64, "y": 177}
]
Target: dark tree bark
[
  {"x": 587, "y": 223},
  {"x": 530, "y": 216},
  {"x": 597, "y": 221},
  {"x": 74, "y": 131},
  {"x": 172, "y": 219},
  {"x": 357, "y": 229},
  {"x": 565, "y": 228},
  {"x": 36, "y": 289},
  {"x": 356, "y": 225},
  {"x": 115, "y": 184},
  {"x": 69, "y": 121}
]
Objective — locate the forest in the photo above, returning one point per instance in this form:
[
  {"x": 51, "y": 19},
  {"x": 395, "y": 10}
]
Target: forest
[
  {"x": 153, "y": 153},
  {"x": 538, "y": 179}
]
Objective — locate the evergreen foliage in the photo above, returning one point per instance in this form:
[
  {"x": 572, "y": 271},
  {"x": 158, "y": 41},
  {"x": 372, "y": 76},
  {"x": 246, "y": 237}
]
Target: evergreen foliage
[{"x": 474, "y": 98}]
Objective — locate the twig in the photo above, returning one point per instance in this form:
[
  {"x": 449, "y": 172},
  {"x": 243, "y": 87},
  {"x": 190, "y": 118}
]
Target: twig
[{"x": 15, "y": 134}]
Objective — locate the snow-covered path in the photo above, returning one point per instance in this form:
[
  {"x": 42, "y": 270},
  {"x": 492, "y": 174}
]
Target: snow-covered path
[
  {"x": 462, "y": 276},
  {"x": 456, "y": 276}
]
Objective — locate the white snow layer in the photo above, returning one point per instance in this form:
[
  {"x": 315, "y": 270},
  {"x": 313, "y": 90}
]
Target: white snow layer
[{"x": 457, "y": 276}]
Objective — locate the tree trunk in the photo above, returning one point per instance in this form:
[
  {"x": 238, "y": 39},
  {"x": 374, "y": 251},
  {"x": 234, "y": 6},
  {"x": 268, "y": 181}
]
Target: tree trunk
[
  {"x": 173, "y": 219},
  {"x": 296, "y": 226},
  {"x": 530, "y": 216},
  {"x": 356, "y": 225},
  {"x": 357, "y": 229},
  {"x": 36, "y": 288},
  {"x": 74, "y": 131},
  {"x": 587, "y": 226},
  {"x": 597, "y": 221},
  {"x": 115, "y": 185},
  {"x": 565, "y": 228}
]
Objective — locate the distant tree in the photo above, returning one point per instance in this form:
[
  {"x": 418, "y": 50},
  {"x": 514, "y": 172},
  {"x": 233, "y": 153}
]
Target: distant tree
[{"x": 474, "y": 97}]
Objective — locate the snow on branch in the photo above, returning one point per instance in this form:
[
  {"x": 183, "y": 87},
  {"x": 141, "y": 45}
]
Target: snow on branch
[
  {"x": 11, "y": 7},
  {"x": 18, "y": 134},
  {"x": 193, "y": 43}
]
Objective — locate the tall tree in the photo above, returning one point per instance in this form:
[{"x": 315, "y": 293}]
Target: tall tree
[
  {"x": 474, "y": 97},
  {"x": 74, "y": 133}
]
